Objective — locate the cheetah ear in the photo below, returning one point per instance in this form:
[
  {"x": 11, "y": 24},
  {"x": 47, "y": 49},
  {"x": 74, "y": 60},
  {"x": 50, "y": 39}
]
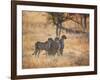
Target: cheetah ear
[{"x": 65, "y": 37}]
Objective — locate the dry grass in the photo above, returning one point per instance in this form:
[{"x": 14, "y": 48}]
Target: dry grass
[{"x": 35, "y": 28}]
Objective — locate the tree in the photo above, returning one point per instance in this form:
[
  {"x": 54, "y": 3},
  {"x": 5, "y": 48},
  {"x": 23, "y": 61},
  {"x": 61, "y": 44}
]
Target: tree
[
  {"x": 83, "y": 21},
  {"x": 58, "y": 18}
]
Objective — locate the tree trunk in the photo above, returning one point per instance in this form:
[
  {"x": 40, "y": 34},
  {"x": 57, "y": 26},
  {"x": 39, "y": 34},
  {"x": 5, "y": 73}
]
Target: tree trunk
[
  {"x": 83, "y": 23},
  {"x": 58, "y": 26}
]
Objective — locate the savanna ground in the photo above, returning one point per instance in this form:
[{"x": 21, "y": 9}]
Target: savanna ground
[{"x": 36, "y": 28}]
